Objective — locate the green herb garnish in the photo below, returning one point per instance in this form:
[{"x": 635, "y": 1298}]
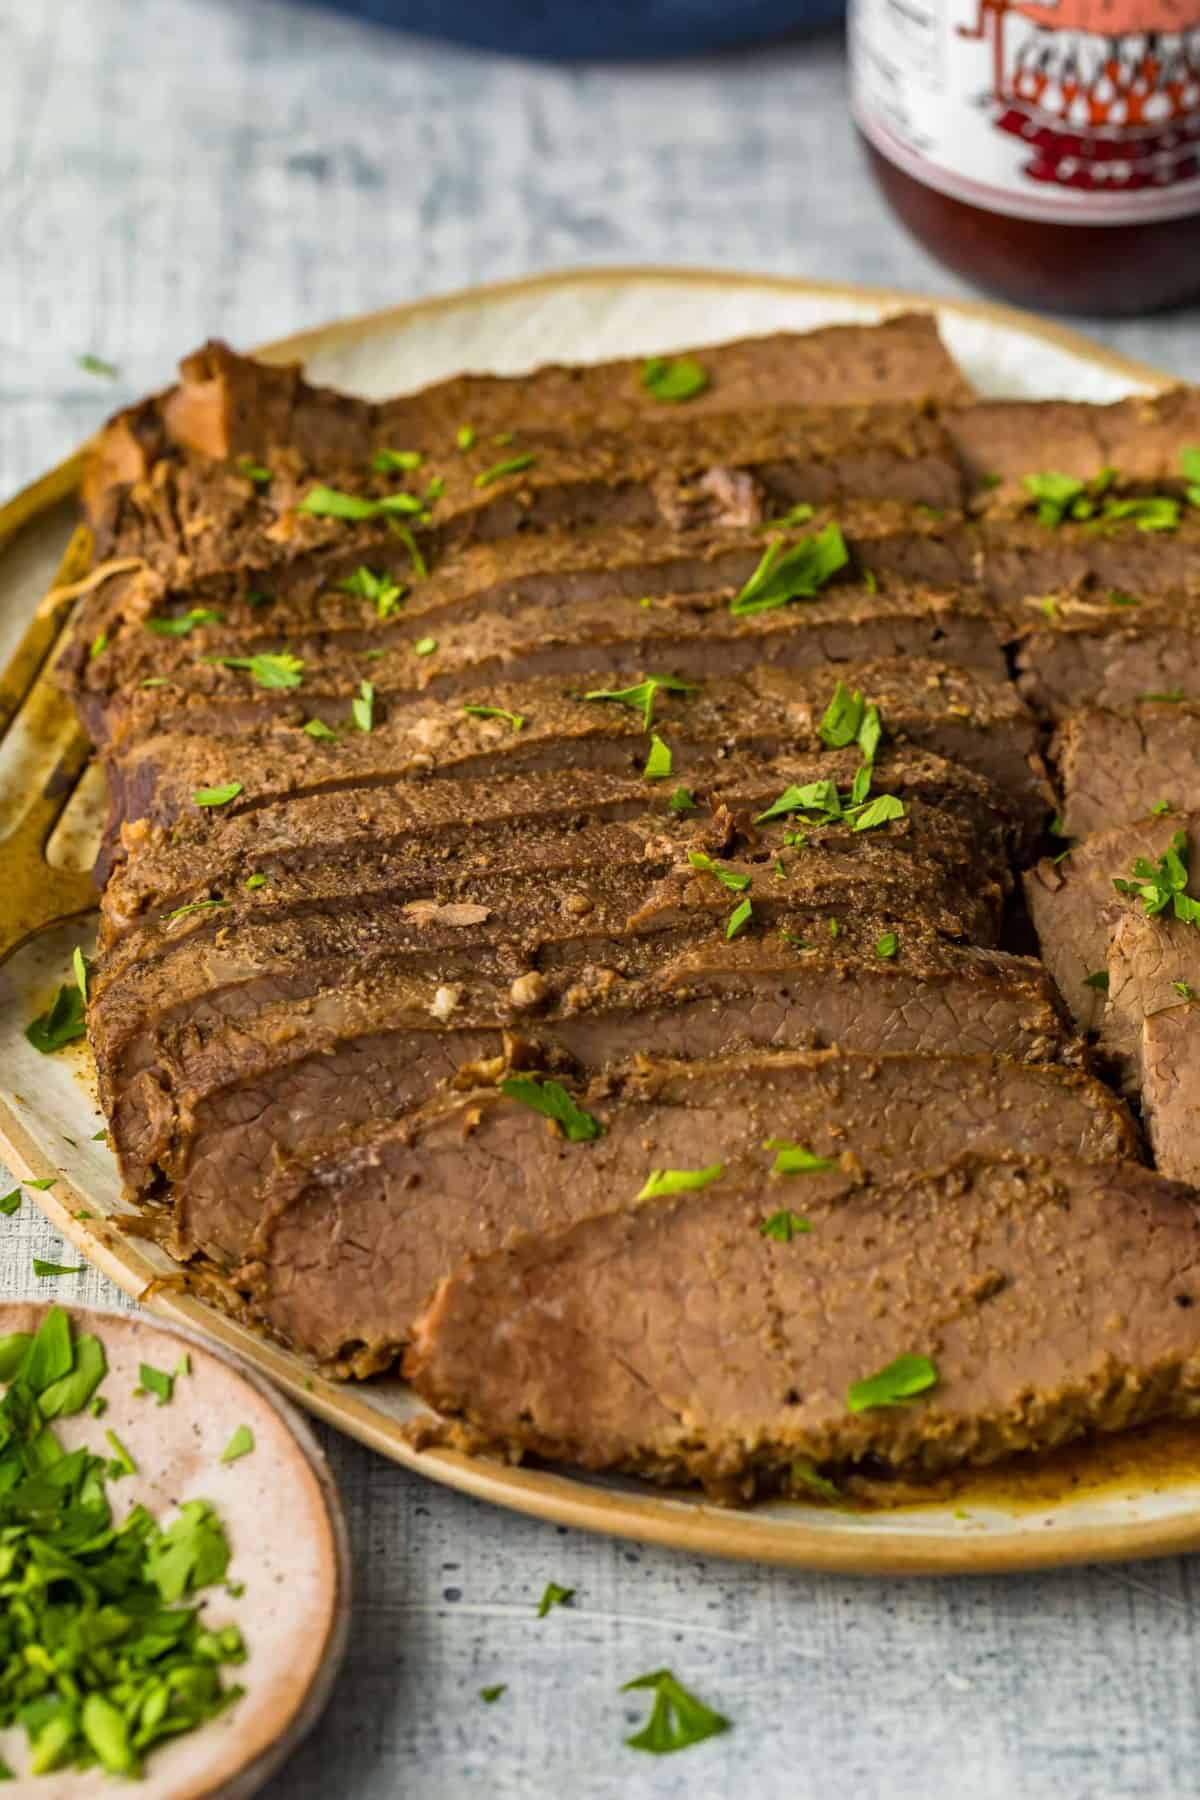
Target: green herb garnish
[
  {"x": 849, "y": 720},
  {"x": 682, "y": 800},
  {"x": 513, "y": 466},
  {"x": 425, "y": 646},
  {"x": 316, "y": 728},
  {"x": 11, "y": 1203},
  {"x": 516, "y": 720},
  {"x": 269, "y": 669},
  {"x": 96, "y": 365},
  {"x": 795, "y": 515},
  {"x": 98, "y": 645},
  {"x": 658, "y": 764},
  {"x": 1171, "y": 697},
  {"x": 680, "y": 1181},
  {"x": 1163, "y": 884},
  {"x": 553, "y": 1596},
  {"x": 673, "y": 378},
  {"x": 489, "y": 1695},
  {"x": 156, "y": 1382},
  {"x": 79, "y": 965},
  {"x": 783, "y": 1226},
  {"x": 738, "y": 919},
  {"x": 392, "y": 462},
  {"x": 363, "y": 706},
  {"x": 1184, "y": 988},
  {"x": 240, "y": 1444},
  {"x": 552, "y": 1101},
  {"x": 186, "y": 622},
  {"x": 900, "y": 1382},
  {"x": 1116, "y": 597},
  {"x": 1099, "y": 981},
  {"x": 44, "y": 1270},
  {"x": 464, "y": 437},
  {"x": 386, "y": 593},
  {"x": 798, "y": 573},
  {"x": 887, "y": 945},
  {"x": 253, "y": 471},
  {"x": 1189, "y": 462},
  {"x": 217, "y": 796},
  {"x": 677, "y": 1719},
  {"x": 61, "y": 1024},
  {"x": 727, "y": 877},
  {"x": 794, "y": 1159},
  {"x": 328, "y": 503},
  {"x": 643, "y": 694}
]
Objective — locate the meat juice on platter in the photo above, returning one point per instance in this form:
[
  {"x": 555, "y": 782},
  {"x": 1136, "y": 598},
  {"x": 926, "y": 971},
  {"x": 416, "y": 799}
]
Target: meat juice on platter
[{"x": 1048, "y": 151}]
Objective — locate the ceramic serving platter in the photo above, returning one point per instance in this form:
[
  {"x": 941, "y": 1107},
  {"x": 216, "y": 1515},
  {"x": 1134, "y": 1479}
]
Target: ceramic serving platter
[{"x": 1136, "y": 1496}]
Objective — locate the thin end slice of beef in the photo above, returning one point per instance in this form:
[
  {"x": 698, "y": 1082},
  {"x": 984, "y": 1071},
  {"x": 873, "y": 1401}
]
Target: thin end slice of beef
[
  {"x": 1053, "y": 1298},
  {"x": 213, "y": 851},
  {"x": 625, "y": 897},
  {"x": 1152, "y": 1032},
  {"x": 214, "y": 1116},
  {"x": 1075, "y": 906},
  {"x": 351, "y": 1242},
  {"x": 546, "y": 726},
  {"x": 226, "y": 405},
  {"x": 1019, "y": 559},
  {"x": 1117, "y": 767},
  {"x": 1109, "y": 650}
]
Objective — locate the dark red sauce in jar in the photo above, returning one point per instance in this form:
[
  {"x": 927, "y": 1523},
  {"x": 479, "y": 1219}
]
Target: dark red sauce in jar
[{"x": 1049, "y": 152}]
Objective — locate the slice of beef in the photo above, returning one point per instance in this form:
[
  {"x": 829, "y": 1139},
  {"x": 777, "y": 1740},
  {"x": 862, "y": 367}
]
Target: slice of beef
[
  {"x": 352, "y": 1241},
  {"x": 213, "y": 851},
  {"x": 1075, "y": 907},
  {"x": 1116, "y": 767},
  {"x": 1016, "y": 559},
  {"x": 1135, "y": 443},
  {"x": 960, "y": 714},
  {"x": 215, "y": 1115},
  {"x": 519, "y": 933},
  {"x": 227, "y": 405},
  {"x": 1110, "y": 650},
  {"x": 1152, "y": 1031},
  {"x": 1053, "y": 1298},
  {"x": 691, "y": 635},
  {"x": 196, "y": 519}
]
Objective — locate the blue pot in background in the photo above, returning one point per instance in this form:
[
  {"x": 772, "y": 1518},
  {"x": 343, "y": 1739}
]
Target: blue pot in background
[{"x": 612, "y": 29}]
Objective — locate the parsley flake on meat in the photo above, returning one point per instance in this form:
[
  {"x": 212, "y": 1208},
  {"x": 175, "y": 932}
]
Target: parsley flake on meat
[
  {"x": 386, "y": 593},
  {"x": 329, "y": 503},
  {"x": 515, "y": 465},
  {"x": 738, "y": 919},
  {"x": 363, "y": 706},
  {"x": 680, "y": 1181},
  {"x": 682, "y": 800},
  {"x": 897, "y": 1384},
  {"x": 516, "y": 720},
  {"x": 253, "y": 471},
  {"x": 677, "y": 1719},
  {"x": 392, "y": 462},
  {"x": 644, "y": 694},
  {"x": 217, "y": 796},
  {"x": 795, "y": 573},
  {"x": 848, "y": 719},
  {"x": 1189, "y": 462},
  {"x": 783, "y": 1226},
  {"x": 464, "y": 437},
  {"x": 728, "y": 877},
  {"x": 658, "y": 763},
  {"x": 1163, "y": 884},
  {"x": 425, "y": 646},
  {"x": 317, "y": 728},
  {"x": 823, "y": 799},
  {"x": 552, "y": 1101},
  {"x": 887, "y": 946},
  {"x": 674, "y": 378},
  {"x": 79, "y": 965},
  {"x": 794, "y": 1159},
  {"x": 270, "y": 669},
  {"x": 1065, "y": 499},
  {"x": 1184, "y": 990},
  {"x": 186, "y": 622}
]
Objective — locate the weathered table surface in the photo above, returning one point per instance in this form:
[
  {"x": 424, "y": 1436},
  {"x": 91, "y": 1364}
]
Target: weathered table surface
[{"x": 171, "y": 168}]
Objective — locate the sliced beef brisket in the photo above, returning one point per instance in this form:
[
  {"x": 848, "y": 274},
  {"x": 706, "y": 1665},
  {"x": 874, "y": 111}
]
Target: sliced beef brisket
[
  {"x": 1042, "y": 1292},
  {"x": 1110, "y": 650},
  {"x": 351, "y": 1243},
  {"x": 1152, "y": 1031},
  {"x": 1117, "y": 767}
]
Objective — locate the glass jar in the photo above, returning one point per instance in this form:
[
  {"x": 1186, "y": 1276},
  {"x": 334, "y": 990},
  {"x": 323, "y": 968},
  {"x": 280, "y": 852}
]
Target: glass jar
[{"x": 1048, "y": 152}]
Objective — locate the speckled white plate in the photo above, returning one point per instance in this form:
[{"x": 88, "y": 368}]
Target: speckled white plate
[
  {"x": 1137, "y": 1496},
  {"x": 285, "y": 1529}
]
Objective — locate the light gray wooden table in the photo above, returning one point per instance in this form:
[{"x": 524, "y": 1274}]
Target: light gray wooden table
[{"x": 171, "y": 168}]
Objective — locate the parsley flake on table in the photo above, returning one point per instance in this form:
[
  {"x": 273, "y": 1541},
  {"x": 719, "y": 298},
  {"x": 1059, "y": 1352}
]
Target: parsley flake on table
[
  {"x": 897, "y": 1384},
  {"x": 554, "y": 1596},
  {"x": 11, "y": 1203},
  {"x": 489, "y": 1695},
  {"x": 658, "y": 766},
  {"x": 217, "y": 796},
  {"x": 677, "y": 1719},
  {"x": 96, "y": 365},
  {"x": 270, "y": 669},
  {"x": 44, "y": 1270},
  {"x": 643, "y": 694},
  {"x": 794, "y": 1159},
  {"x": 552, "y": 1101},
  {"x": 795, "y": 515},
  {"x": 798, "y": 573},
  {"x": 515, "y": 465},
  {"x": 674, "y": 378},
  {"x": 680, "y": 1181},
  {"x": 240, "y": 1444},
  {"x": 783, "y": 1226},
  {"x": 62, "y": 1022}
]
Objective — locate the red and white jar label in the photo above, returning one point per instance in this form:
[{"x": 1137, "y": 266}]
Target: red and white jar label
[{"x": 1084, "y": 112}]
